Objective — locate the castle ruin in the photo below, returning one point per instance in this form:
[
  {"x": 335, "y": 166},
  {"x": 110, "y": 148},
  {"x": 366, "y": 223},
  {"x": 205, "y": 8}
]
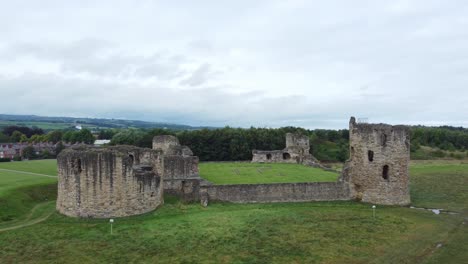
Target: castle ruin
[
  {"x": 296, "y": 151},
  {"x": 109, "y": 182},
  {"x": 125, "y": 180},
  {"x": 180, "y": 171},
  {"x": 377, "y": 169}
]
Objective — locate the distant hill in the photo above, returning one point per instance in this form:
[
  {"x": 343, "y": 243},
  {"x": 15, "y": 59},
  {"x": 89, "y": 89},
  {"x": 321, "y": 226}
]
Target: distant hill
[{"x": 52, "y": 123}]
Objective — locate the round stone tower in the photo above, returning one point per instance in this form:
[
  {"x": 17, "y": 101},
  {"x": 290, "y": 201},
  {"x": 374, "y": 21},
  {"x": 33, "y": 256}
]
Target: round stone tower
[{"x": 109, "y": 182}]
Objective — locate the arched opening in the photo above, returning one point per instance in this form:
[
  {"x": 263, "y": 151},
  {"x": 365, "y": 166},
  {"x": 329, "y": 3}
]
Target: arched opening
[
  {"x": 286, "y": 156},
  {"x": 132, "y": 159},
  {"x": 384, "y": 140},
  {"x": 385, "y": 172},
  {"x": 78, "y": 166},
  {"x": 268, "y": 156},
  {"x": 370, "y": 155}
]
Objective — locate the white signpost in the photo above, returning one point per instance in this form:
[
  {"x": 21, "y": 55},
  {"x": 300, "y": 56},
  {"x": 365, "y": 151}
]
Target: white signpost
[{"x": 111, "y": 221}]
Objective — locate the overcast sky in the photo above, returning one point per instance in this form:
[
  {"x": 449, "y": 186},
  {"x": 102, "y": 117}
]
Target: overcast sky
[{"x": 240, "y": 63}]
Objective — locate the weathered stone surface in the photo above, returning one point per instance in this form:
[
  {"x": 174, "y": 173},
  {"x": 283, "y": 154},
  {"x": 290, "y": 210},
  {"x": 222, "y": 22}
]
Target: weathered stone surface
[
  {"x": 276, "y": 192},
  {"x": 296, "y": 151},
  {"x": 109, "y": 182},
  {"x": 181, "y": 176},
  {"x": 166, "y": 143},
  {"x": 377, "y": 170}
]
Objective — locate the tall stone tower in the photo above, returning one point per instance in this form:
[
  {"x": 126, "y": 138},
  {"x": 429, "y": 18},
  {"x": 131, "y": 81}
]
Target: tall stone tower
[
  {"x": 297, "y": 143},
  {"x": 377, "y": 170}
]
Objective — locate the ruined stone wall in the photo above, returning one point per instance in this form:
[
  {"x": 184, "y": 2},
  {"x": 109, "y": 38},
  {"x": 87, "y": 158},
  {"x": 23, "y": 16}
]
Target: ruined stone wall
[
  {"x": 109, "y": 182},
  {"x": 165, "y": 143},
  {"x": 297, "y": 141},
  {"x": 276, "y": 192},
  {"x": 180, "y": 168},
  {"x": 377, "y": 170},
  {"x": 296, "y": 151},
  {"x": 273, "y": 156}
]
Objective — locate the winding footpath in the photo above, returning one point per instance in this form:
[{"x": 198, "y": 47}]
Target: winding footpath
[
  {"x": 30, "y": 173},
  {"x": 30, "y": 220}
]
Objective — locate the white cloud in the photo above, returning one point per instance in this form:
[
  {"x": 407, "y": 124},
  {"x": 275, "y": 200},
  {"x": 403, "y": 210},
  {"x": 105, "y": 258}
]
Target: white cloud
[{"x": 261, "y": 63}]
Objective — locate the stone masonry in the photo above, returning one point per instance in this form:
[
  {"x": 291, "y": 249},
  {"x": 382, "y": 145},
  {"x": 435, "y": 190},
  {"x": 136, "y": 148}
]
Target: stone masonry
[
  {"x": 377, "y": 169},
  {"x": 125, "y": 180},
  {"x": 109, "y": 182},
  {"x": 296, "y": 151},
  {"x": 180, "y": 168}
]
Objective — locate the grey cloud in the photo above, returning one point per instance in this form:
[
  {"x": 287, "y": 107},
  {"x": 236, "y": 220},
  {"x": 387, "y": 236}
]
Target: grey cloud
[
  {"x": 199, "y": 76},
  {"x": 266, "y": 63}
]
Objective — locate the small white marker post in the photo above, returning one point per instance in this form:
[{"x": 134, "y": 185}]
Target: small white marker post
[
  {"x": 111, "y": 221},
  {"x": 373, "y": 211}
]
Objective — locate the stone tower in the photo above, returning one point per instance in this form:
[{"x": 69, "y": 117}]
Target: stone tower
[
  {"x": 297, "y": 145},
  {"x": 109, "y": 182},
  {"x": 181, "y": 176},
  {"x": 377, "y": 170}
]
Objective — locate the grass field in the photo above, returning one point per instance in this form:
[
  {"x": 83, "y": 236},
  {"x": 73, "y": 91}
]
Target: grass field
[
  {"x": 317, "y": 232},
  {"x": 244, "y": 172}
]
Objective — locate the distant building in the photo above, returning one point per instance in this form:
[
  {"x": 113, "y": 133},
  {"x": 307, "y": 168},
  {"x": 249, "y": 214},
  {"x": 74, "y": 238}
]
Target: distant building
[
  {"x": 10, "y": 150},
  {"x": 100, "y": 142}
]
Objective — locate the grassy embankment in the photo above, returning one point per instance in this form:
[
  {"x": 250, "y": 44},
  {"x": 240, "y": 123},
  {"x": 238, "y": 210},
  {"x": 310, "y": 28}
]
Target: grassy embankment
[{"x": 331, "y": 232}]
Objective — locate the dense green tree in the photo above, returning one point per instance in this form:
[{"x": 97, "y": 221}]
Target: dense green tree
[
  {"x": 16, "y": 136},
  {"x": 54, "y": 136},
  {"x": 128, "y": 137},
  {"x": 81, "y": 136},
  {"x": 24, "y": 130},
  {"x": 28, "y": 153},
  {"x": 38, "y": 138},
  {"x": 85, "y": 136},
  {"x": 107, "y": 133},
  {"x": 4, "y": 138}
]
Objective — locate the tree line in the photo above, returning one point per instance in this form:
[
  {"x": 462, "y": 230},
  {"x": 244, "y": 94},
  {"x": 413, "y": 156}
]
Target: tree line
[
  {"x": 231, "y": 144},
  {"x": 14, "y": 134}
]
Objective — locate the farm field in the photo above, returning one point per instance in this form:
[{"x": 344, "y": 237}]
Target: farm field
[
  {"x": 43, "y": 125},
  {"x": 318, "y": 232},
  {"x": 245, "y": 172}
]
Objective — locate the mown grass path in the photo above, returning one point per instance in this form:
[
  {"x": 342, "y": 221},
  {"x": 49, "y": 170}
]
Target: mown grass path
[
  {"x": 40, "y": 212},
  {"x": 29, "y": 173}
]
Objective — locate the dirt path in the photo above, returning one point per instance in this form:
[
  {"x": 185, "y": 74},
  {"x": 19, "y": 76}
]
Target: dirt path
[
  {"x": 28, "y": 221},
  {"x": 30, "y": 173}
]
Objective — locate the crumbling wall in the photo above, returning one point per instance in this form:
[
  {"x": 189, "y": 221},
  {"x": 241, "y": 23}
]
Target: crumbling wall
[
  {"x": 377, "y": 170},
  {"x": 109, "y": 182},
  {"x": 296, "y": 151},
  {"x": 181, "y": 175},
  {"x": 275, "y": 192}
]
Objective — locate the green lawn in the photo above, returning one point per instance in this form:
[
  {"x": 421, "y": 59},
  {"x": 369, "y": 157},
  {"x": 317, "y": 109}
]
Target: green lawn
[
  {"x": 244, "y": 172},
  {"x": 316, "y": 232},
  {"x": 48, "y": 166}
]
